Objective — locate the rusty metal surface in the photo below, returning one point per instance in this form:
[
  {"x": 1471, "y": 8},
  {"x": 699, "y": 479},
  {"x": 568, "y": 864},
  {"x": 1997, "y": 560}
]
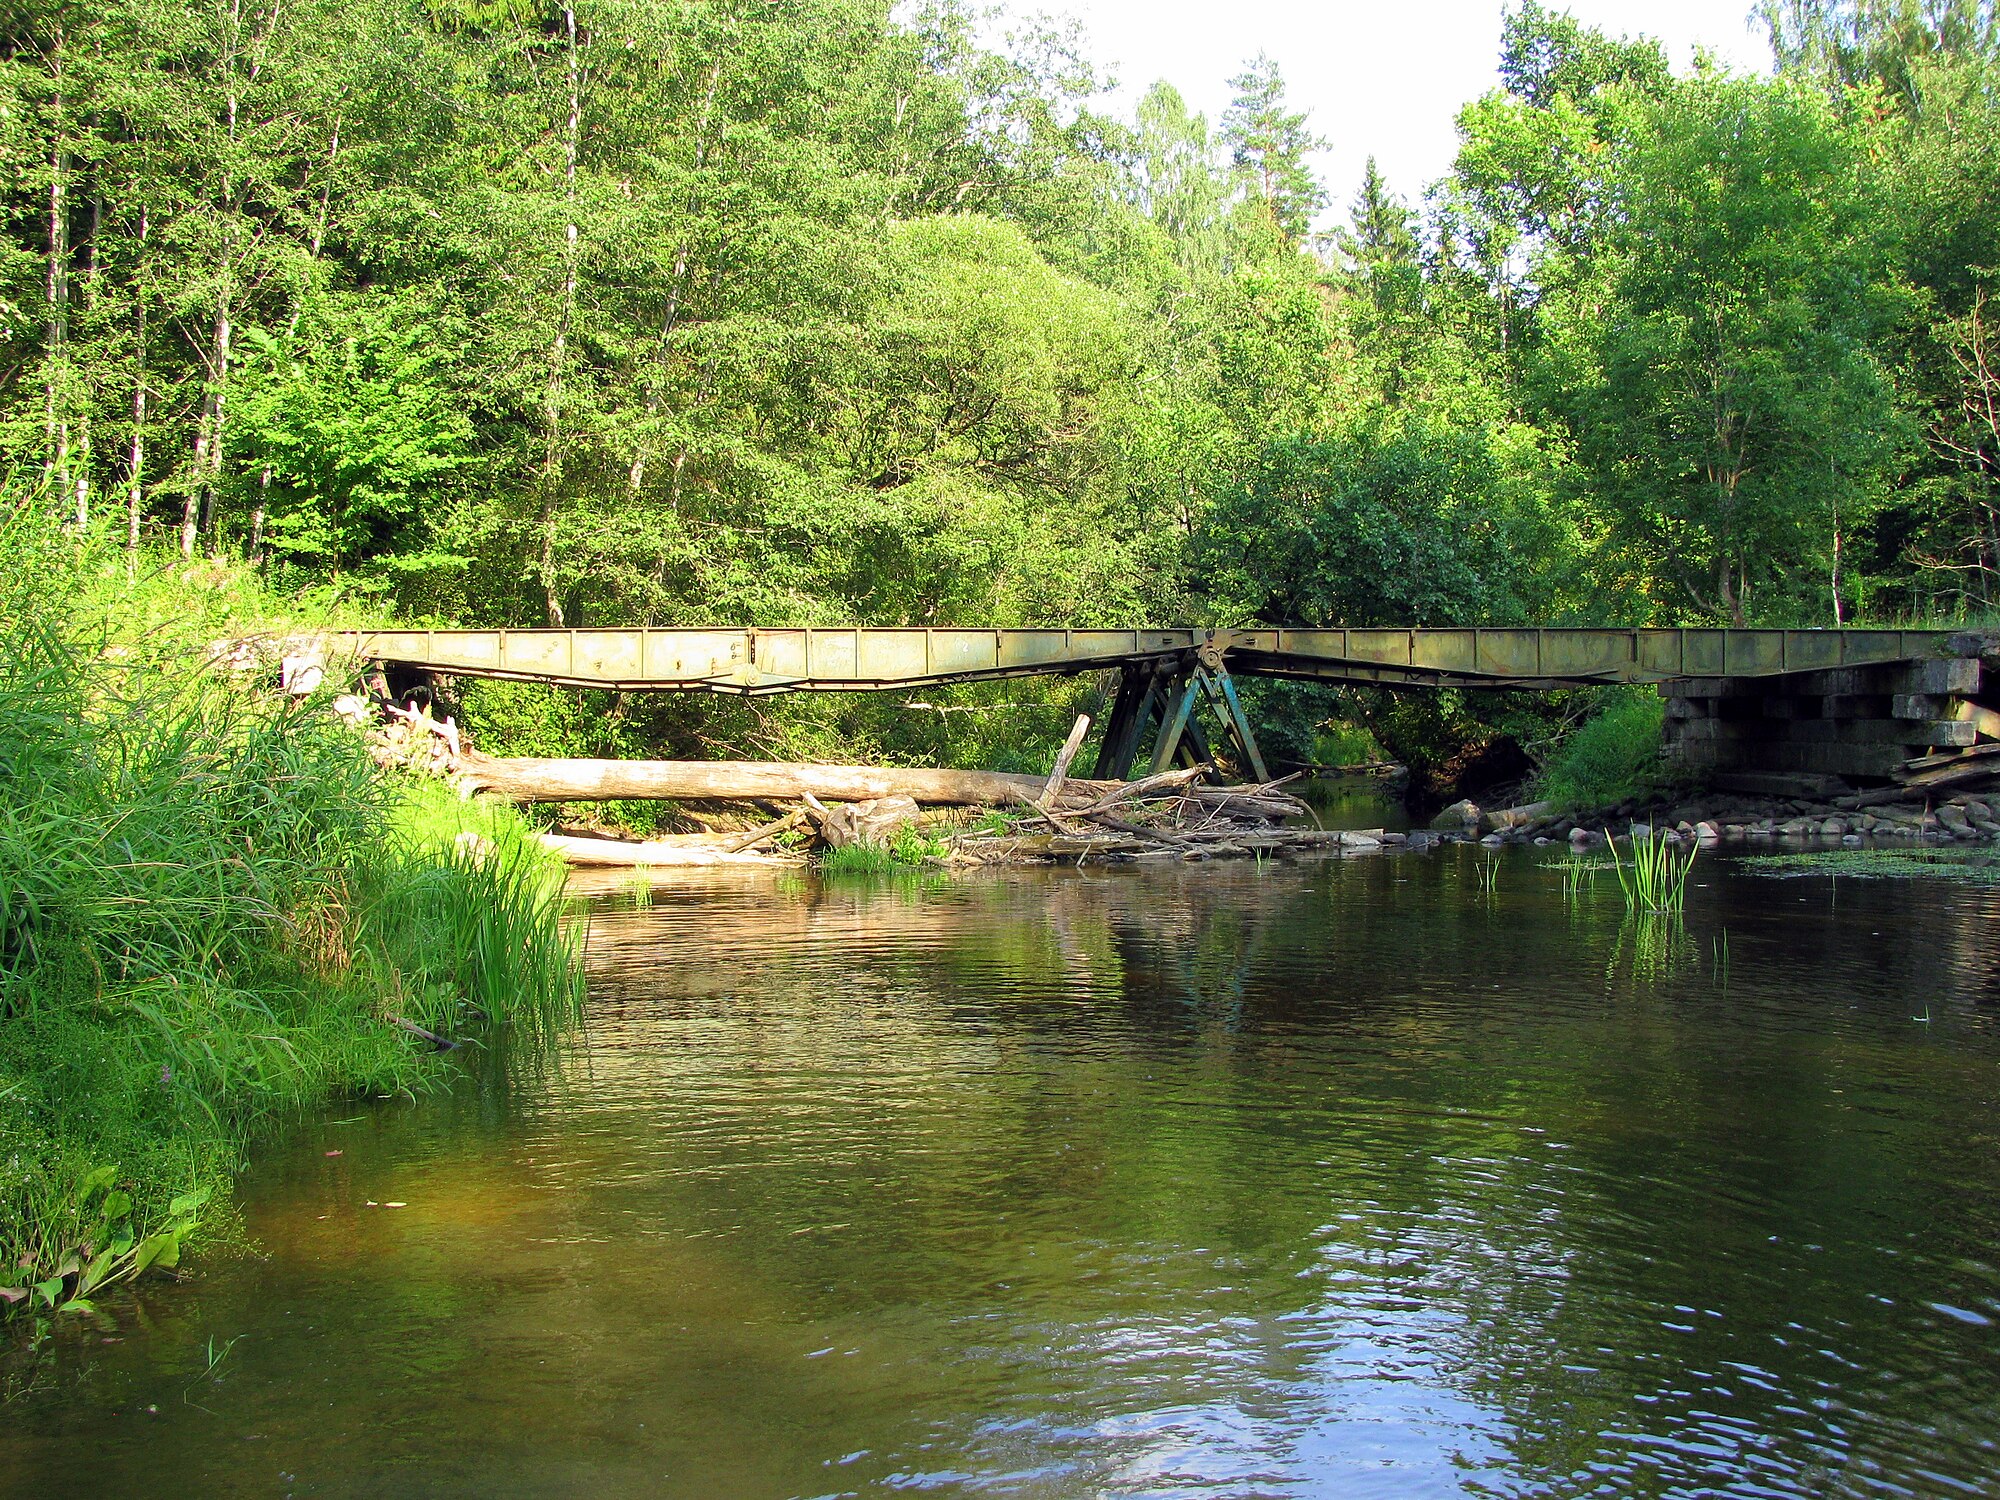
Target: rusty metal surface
[{"x": 755, "y": 661}]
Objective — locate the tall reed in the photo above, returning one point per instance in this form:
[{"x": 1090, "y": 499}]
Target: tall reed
[{"x": 1656, "y": 878}]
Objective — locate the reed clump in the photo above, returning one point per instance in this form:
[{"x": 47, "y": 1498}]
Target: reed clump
[
  {"x": 214, "y": 912},
  {"x": 1655, "y": 878}
]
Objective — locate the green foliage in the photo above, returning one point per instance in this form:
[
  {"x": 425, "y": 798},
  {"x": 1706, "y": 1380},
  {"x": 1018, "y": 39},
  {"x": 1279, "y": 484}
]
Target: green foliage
[
  {"x": 1269, "y": 145},
  {"x": 1344, "y": 744},
  {"x": 912, "y": 846},
  {"x": 1614, "y": 755},
  {"x": 1716, "y": 347},
  {"x": 360, "y": 441},
  {"x": 212, "y": 913},
  {"x": 1417, "y": 526},
  {"x": 834, "y": 311}
]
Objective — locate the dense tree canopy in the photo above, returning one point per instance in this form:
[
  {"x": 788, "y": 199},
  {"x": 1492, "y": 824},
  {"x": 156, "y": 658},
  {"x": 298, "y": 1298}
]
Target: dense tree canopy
[{"x": 686, "y": 310}]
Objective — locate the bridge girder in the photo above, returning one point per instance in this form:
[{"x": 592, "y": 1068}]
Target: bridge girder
[{"x": 755, "y": 661}]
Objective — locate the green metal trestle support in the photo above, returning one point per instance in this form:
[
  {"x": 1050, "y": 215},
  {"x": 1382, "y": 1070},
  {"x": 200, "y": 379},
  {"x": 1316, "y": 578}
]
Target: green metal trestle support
[{"x": 1164, "y": 697}]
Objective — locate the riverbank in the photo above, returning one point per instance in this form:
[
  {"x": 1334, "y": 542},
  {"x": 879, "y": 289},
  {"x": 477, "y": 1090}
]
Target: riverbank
[
  {"x": 215, "y": 911},
  {"x": 1890, "y": 813}
]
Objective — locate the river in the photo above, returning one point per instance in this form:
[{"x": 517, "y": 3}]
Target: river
[{"x": 1345, "y": 1178}]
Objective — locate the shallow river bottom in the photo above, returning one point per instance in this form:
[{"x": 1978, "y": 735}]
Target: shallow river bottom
[{"x": 1344, "y": 1179}]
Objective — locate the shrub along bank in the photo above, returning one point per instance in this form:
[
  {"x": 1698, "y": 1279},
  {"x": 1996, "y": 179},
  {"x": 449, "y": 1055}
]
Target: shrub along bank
[
  {"x": 1612, "y": 757},
  {"x": 214, "y": 912}
]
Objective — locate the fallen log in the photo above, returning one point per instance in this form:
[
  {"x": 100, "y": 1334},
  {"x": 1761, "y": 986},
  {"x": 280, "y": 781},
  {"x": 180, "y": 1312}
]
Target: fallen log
[
  {"x": 1054, "y": 787},
  {"x": 531, "y": 780},
  {"x": 619, "y": 853},
  {"x": 765, "y": 833},
  {"x": 1145, "y": 786}
]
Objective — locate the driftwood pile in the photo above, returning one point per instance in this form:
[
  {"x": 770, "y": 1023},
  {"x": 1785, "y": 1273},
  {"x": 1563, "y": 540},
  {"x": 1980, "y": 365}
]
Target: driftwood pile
[
  {"x": 1168, "y": 816},
  {"x": 1174, "y": 815},
  {"x": 1165, "y": 816}
]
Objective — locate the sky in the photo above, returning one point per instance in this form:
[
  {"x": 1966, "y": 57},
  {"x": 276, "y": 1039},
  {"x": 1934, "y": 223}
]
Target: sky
[{"x": 1381, "y": 77}]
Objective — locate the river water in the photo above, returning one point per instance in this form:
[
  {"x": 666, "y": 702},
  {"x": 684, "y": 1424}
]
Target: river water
[{"x": 1341, "y": 1179}]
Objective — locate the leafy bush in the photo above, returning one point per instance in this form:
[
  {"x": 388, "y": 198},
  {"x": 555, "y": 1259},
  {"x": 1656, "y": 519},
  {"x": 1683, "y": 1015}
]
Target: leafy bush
[{"x": 1612, "y": 756}]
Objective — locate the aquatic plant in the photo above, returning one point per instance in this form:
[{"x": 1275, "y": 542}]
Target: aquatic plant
[
  {"x": 1656, "y": 878},
  {"x": 1945, "y": 862},
  {"x": 1487, "y": 873},
  {"x": 1577, "y": 874}
]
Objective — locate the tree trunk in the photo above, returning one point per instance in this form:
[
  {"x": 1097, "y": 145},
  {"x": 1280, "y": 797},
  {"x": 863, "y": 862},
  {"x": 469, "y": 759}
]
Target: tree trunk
[
  {"x": 1727, "y": 596},
  {"x": 55, "y": 352},
  {"x": 616, "y": 853},
  {"x": 198, "y": 508},
  {"x": 526, "y": 780},
  {"x": 135, "y": 494},
  {"x": 552, "y": 413}
]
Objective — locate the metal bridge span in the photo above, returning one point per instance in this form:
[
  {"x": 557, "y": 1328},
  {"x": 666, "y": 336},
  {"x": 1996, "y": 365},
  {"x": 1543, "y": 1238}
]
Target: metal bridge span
[
  {"x": 1163, "y": 674},
  {"x": 755, "y": 661}
]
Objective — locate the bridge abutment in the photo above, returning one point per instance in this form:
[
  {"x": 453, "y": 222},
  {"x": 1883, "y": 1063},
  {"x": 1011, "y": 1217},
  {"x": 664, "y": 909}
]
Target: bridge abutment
[{"x": 1865, "y": 723}]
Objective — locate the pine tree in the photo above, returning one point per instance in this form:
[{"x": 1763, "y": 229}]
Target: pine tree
[
  {"x": 1381, "y": 232},
  {"x": 1269, "y": 145}
]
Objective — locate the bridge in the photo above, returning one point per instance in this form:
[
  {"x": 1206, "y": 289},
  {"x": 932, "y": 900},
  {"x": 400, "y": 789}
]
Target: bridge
[{"x": 1876, "y": 697}]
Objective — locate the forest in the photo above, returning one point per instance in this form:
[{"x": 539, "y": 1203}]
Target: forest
[{"x": 569, "y": 312}]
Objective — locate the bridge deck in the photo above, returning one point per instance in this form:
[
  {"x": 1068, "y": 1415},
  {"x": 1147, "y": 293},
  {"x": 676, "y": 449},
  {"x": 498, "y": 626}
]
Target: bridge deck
[{"x": 756, "y": 661}]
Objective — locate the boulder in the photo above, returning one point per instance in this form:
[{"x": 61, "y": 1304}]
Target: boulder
[
  {"x": 1461, "y": 817},
  {"x": 1707, "y": 832},
  {"x": 1507, "y": 819}
]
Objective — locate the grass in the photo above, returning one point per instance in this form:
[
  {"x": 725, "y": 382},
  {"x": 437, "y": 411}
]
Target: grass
[
  {"x": 856, "y": 859},
  {"x": 1656, "y": 878},
  {"x": 910, "y": 849},
  {"x": 214, "y": 912}
]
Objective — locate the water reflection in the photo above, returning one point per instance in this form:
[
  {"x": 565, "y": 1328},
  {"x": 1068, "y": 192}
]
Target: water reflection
[{"x": 1334, "y": 1180}]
